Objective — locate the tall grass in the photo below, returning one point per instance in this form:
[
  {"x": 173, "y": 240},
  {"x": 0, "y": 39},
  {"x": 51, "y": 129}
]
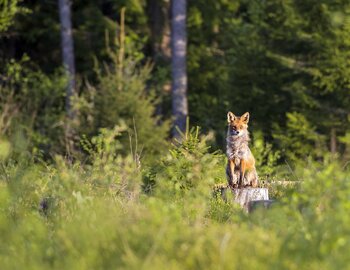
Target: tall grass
[{"x": 108, "y": 213}]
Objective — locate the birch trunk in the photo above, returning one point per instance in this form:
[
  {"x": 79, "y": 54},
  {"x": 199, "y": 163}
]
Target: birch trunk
[
  {"x": 67, "y": 51},
  {"x": 178, "y": 63}
]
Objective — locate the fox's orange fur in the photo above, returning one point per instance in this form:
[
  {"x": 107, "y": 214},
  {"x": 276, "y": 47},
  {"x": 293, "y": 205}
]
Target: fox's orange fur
[{"x": 240, "y": 168}]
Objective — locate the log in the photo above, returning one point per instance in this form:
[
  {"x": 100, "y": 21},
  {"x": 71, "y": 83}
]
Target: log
[{"x": 243, "y": 196}]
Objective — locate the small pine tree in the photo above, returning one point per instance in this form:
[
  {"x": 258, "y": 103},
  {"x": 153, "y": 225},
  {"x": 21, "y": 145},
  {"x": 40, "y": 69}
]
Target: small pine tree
[{"x": 122, "y": 95}]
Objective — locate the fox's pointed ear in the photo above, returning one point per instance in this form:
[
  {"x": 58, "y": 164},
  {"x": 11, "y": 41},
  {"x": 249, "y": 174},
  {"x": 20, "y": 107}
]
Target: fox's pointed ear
[
  {"x": 245, "y": 118},
  {"x": 230, "y": 117}
]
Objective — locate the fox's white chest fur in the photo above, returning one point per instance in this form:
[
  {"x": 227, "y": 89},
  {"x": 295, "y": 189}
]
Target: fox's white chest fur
[{"x": 237, "y": 147}]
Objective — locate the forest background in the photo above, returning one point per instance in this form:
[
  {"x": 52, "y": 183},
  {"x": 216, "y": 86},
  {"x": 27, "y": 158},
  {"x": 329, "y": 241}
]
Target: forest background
[
  {"x": 103, "y": 159},
  {"x": 286, "y": 62}
]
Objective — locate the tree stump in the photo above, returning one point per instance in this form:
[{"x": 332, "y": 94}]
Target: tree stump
[
  {"x": 253, "y": 205},
  {"x": 243, "y": 196}
]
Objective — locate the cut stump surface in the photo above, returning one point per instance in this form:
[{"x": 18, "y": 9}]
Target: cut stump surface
[{"x": 243, "y": 196}]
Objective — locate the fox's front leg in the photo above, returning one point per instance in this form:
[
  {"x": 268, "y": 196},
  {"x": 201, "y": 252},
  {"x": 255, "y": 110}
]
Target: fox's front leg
[
  {"x": 230, "y": 173},
  {"x": 242, "y": 169},
  {"x": 252, "y": 178}
]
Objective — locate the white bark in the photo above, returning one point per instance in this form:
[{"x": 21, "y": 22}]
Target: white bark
[
  {"x": 178, "y": 63},
  {"x": 67, "y": 51}
]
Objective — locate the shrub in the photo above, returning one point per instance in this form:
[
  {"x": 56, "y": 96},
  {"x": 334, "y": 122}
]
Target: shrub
[
  {"x": 32, "y": 108},
  {"x": 122, "y": 95},
  {"x": 299, "y": 139},
  {"x": 188, "y": 167}
]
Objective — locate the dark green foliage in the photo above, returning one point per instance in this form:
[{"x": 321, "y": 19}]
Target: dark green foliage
[
  {"x": 284, "y": 61},
  {"x": 300, "y": 139},
  {"x": 8, "y": 10},
  {"x": 32, "y": 105},
  {"x": 275, "y": 59},
  {"x": 35, "y": 30}
]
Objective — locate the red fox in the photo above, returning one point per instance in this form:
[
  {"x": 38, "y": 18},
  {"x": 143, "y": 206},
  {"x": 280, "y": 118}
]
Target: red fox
[{"x": 240, "y": 169}]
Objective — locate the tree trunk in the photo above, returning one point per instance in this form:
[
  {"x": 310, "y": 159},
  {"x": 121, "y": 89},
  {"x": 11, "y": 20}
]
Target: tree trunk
[
  {"x": 333, "y": 141},
  {"x": 158, "y": 12},
  {"x": 159, "y": 22},
  {"x": 67, "y": 52},
  {"x": 178, "y": 63},
  {"x": 245, "y": 196}
]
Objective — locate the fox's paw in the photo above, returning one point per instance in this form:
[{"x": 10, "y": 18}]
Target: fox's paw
[
  {"x": 234, "y": 179},
  {"x": 255, "y": 184}
]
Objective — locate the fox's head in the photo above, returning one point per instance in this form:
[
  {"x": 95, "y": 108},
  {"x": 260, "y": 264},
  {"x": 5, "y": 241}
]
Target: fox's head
[{"x": 237, "y": 125}]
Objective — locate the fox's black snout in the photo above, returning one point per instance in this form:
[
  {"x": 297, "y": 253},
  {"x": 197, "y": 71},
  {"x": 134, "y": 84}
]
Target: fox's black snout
[{"x": 234, "y": 132}]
